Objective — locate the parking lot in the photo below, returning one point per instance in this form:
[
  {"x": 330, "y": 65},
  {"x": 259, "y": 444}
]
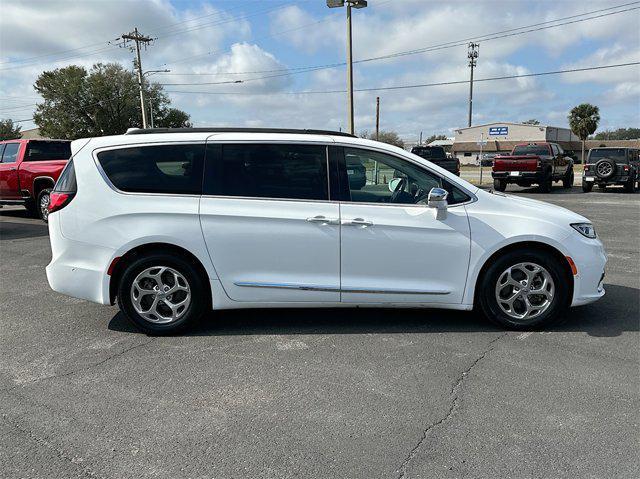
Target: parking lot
[{"x": 326, "y": 393}]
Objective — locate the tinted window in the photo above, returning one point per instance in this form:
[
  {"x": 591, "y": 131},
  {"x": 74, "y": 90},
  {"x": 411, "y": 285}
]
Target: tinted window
[
  {"x": 175, "y": 169},
  {"x": 430, "y": 153},
  {"x": 531, "y": 150},
  {"x": 48, "y": 150},
  {"x": 616, "y": 154},
  {"x": 67, "y": 180},
  {"x": 10, "y": 154},
  {"x": 269, "y": 171},
  {"x": 380, "y": 175}
]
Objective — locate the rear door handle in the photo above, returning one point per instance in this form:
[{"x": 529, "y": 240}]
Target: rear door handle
[
  {"x": 13, "y": 168},
  {"x": 358, "y": 222},
  {"x": 323, "y": 220}
]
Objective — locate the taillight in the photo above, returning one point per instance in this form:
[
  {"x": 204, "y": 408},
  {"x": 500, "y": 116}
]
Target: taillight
[
  {"x": 58, "y": 200},
  {"x": 625, "y": 167},
  {"x": 586, "y": 167}
]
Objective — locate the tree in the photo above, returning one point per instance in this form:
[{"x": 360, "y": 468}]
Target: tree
[
  {"x": 102, "y": 101},
  {"x": 533, "y": 121},
  {"x": 434, "y": 138},
  {"x": 390, "y": 137},
  {"x": 8, "y": 130},
  {"x": 583, "y": 120},
  {"x": 619, "y": 134}
]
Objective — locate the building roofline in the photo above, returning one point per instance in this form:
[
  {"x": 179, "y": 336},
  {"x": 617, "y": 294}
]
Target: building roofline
[{"x": 509, "y": 123}]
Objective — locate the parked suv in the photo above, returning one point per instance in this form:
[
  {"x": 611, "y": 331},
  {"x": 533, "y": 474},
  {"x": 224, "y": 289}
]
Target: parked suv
[
  {"x": 28, "y": 171},
  {"x": 437, "y": 155},
  {"x": 612, "y": 166},
  {"x": 171, "y": 224}
]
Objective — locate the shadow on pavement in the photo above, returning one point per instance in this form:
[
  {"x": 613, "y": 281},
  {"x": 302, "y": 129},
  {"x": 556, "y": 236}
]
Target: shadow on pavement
[
  {"x": 10, "y": 230},
  {"x": 617, "y": 312}
]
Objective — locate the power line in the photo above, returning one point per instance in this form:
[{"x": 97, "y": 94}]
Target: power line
[
  {"x": 419, "y": 85},
  {"x": 441, "y": 46}
]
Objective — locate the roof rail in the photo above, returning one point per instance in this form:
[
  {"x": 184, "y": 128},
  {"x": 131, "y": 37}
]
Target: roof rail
[{"x": 146, "y": 131}]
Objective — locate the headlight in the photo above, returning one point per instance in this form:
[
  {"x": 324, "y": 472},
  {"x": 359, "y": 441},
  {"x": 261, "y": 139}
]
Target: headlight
[{"x": 585, "y": 229}]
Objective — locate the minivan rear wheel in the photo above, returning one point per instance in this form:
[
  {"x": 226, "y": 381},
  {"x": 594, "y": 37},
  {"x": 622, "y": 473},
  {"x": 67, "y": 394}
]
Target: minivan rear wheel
[
  {"x": 162, "y": 293},
  {"x": 524, "y": 290}
]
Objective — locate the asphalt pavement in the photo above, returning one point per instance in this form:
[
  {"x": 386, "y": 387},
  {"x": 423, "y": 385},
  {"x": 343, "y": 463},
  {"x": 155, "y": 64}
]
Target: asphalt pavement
[{"x": 320, "y": 393}]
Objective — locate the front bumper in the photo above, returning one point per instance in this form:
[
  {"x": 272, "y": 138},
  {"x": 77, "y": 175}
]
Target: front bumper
[{"x": 590, "y": 259}]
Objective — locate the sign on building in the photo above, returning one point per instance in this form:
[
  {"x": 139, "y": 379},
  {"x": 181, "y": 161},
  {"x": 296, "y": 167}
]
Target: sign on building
[{"x": 499, "y": 130}]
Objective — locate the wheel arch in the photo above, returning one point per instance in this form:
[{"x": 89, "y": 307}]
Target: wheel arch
[
  {"x": 146, "y": 249},
  {"x": 40, "y": 183},
  {"x": 527, "y": 246}
]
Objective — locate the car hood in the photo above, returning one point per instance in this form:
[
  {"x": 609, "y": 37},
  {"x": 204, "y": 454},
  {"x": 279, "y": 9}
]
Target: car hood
[{"x": 527, "y": 207}]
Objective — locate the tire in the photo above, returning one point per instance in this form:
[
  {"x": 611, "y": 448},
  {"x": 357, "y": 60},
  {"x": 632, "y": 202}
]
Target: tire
[
  {"x": 545, "y": 185},
  {"x": 605, "y": 168},
  {"x": 499, "y": 185},
  {"x": 569, "y": 178},
  {"x": 587, "y": 187},
  {"x": 549, "y": 306},
  {"x": 32, "y": 209},
  {"x": 162, "y": 265},
  {"x": 42, "y": 204}
]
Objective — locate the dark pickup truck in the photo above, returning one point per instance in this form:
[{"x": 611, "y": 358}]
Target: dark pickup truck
[
  {"x": 533, "y": 163},
  {"x": 437, "y": 155},
  {"x": 28, "y": 171}
]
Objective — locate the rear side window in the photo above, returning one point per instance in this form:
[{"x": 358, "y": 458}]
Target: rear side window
[
  {"x": 48, "y": 150},
  {"x": 431, "y": 153},
  {"x": 171, "y": 169},
  {"x": 268, "y": 171},
  {"x": 67, "y": 181},
  {"x": 10, "y": 154},
  {"x": 541, "y": 150}
]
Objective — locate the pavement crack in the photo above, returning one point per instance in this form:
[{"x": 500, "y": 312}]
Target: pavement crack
[
  {"x": 87, "y": 367},
  {"x": 60, "y": 453},
  {"x": 453, "y": 407}
]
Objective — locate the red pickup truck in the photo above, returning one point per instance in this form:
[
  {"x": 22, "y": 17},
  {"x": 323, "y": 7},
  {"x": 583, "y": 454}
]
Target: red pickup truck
[
  {"x": 28, "y": 171},
  {"x": 533, "y": 163}
]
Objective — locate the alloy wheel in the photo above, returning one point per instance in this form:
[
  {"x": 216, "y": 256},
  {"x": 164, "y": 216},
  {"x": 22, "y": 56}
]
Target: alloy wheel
[
  {"x": 524, "y": 291},
  {"x": 160, "y": 294},
  {"x": 44, "y": 206}
]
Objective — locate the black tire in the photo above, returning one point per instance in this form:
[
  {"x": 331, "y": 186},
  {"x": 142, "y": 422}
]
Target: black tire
[
  {"x": 545, "y": 185},
  {"x": 605, "y": 168},
  {"x": 30, "y": 205},
  {"x": 587, "y": 187},
  {"x": 499, "y": 185},
  {"x": 569, "y": 178},
  {"x": 200, "y": 299},
  {"x": 42, "y": 204},
  {"x": 486, "y": 294}
]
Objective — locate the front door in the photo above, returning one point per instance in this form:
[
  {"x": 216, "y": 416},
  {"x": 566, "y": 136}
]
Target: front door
[
  {"x": 394, "y": 250},
  {"x": 271, "y": 231},
  {"x": 9, "y": 185}
]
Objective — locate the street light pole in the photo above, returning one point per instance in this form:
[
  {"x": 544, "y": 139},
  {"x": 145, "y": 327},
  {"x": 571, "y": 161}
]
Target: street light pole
[
  {"x": 151, "y": 72},
  {"x": 355, "y": 4}
]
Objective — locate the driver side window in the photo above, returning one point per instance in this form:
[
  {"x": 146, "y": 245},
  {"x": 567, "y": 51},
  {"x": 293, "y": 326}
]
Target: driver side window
[{"x": 375, "y": 177}]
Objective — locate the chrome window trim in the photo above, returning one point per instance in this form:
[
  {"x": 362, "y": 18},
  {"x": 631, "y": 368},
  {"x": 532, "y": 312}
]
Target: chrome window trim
[{"x": 334, "y": 289}]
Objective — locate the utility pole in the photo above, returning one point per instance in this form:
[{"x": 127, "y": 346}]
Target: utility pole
[
  {"x": 420, "y": 142},
  {"x": 377, "y": 118},
  {"x": 472, "y": 55},
  {"x": 138, "y": 38}
]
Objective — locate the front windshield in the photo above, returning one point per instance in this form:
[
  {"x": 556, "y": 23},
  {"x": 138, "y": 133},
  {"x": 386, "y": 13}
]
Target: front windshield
[
  {"x": 616, "y": 154},
  {"x": 531, "y": 150}
]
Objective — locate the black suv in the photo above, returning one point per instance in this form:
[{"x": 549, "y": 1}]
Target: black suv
[
  {"x": 437, "y": 155},
  {"x": 612, "y": 166}
]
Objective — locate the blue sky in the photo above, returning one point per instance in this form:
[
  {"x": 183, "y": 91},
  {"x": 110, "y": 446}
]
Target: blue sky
[{"x": 214, "y": 41}]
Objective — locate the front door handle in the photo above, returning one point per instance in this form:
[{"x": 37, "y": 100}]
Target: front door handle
[
  {"x": 13, "y": 168},
  {"x": 323, "y": 220},
  {"x": 358, "y": 222}
]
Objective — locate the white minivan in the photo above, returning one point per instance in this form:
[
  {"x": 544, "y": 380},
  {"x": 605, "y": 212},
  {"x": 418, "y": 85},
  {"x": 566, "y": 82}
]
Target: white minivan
[{"x": 174, "y": 223}]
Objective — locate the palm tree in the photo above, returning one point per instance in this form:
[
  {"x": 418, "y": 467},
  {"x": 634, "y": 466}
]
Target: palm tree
[{"x": 583, "y": 120}]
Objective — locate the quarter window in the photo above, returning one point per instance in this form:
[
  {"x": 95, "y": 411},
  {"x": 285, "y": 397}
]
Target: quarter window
[
  {"x": 268, "y": 171},
  {"x": 375, "y": 177},
  {"x": 172, "y": 169},
  {"x": 10, "y": 154}
]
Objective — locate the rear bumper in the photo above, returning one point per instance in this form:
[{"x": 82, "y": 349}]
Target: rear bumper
[
  {"x": 77, "y": 269},
  {"x": 588, "y": 177},
  {"x": 528, "y": 176}
]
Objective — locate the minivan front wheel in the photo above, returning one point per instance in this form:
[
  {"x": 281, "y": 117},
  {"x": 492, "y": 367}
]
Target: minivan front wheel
[
  {"x": 161, "y": 293},
  {"x": 524, "y": 290}
]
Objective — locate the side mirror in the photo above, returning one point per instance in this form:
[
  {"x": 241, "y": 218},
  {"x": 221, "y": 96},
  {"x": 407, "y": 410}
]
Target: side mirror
[{"x": 437, "y": 199}]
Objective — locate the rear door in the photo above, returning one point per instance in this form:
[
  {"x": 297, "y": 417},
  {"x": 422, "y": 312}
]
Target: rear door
[
  {"x": 9, "y": 184},
  {"x": 272, "y": 233},
  {"x": 394, "y": 250}
]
